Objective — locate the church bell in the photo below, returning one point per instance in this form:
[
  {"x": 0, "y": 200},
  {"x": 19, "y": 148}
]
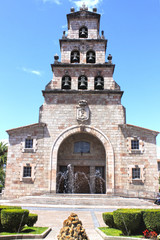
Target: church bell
[
  {"x": 90, "y": 57},
  {"x": 83, "y": 33},
  {"x": 82, "y": 83},
  {"x": 75, "y": 57},
  {"x": 66, "y": 84},
  {"x": 99, "y": 84}
]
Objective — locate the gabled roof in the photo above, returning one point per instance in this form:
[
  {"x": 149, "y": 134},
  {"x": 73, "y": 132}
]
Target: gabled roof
[
  {"x": 84, "y": 14},
  {"x": 140, "y": 128},
  {"x": 27, "y": 126}
]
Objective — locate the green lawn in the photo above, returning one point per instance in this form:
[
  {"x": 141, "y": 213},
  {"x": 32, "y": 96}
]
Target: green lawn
[
  {"x": 28, "y": 230},
  {"x": 116, "y": 232}
]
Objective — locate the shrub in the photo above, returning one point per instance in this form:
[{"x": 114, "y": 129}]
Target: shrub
[
  {"x": 1, "y": 187},
  {"x": 13, "y": 220},
  {"x": 32, "y": 219},
  {"x": 151, "y": 219},
  {"x": 108, "y": 219},
  {"x": 129, "y": 221},
  {"x": 6, "y": 207}
]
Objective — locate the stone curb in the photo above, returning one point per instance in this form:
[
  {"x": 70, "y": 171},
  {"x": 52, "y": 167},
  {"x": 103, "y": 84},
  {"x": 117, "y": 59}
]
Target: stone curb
[
  {"x": 75, "y": 206},
  {"x": 105, "y": 237},
  {"x": 28, "y": 236}
]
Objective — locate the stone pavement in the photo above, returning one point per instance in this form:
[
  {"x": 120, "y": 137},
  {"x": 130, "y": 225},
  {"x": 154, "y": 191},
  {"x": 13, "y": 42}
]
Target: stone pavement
[
  {"x": 51, "y": 215},
  {"x": 54, "y": 218}
]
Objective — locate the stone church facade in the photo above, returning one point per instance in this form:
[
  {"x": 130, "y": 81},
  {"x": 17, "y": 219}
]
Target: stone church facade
[{"x": 82, "y": 143}]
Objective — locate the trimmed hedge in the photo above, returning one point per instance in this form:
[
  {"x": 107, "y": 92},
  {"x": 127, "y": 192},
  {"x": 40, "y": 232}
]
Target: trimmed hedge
[
  {"x": 6, "y": 207},
  {"x": 108, "y": 219},
  {"x": 151, "y": 218},
  {"x": 133, "y": 221},
  {"x": 32, "y": 219},
  {"x": 129, "y": 221},
  {"x": 13, "y": 220},
  {"x": 9, "y": 207}
]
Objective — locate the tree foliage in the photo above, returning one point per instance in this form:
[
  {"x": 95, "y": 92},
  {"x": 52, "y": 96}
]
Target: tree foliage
[
  {"x": 3, "y": 161},
  {"x": 3, "y": 154}
]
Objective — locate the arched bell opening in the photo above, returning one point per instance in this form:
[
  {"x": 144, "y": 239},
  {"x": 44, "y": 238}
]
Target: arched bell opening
[
  {"x": 81, "y": 165},
  {"x": 90, "y": 56},
  {"x": 75, "y": 56},
  {"x": 82, "y": 82},
  {"x": 99, "y": 83},
  {"x": 83, "y": 32},
  {"x": 66, "y": 82}
]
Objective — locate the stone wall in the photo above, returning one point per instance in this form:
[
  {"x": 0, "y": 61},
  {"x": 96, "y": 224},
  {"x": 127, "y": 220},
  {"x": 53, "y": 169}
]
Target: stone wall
[
  {"x": 91, "y": 24},
  {"x": 90, "y": 73},
  {"x": 107, "y": 115},
  {"x": 146, "y": 159},
  {"x": 15, "y": 184},
  {"x": 98, "y": 46}
]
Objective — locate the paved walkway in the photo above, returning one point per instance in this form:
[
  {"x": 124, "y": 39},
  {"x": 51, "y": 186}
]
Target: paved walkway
[
  {"x": 91, "y": 216},
  {"x": 54, "y": 218}
]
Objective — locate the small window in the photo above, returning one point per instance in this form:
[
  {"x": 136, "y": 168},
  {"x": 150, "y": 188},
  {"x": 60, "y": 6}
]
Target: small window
[
  {"x": 83, "y": 32},
  {"x": 75, "y": 57},
  {"x": 81, "y": 147},
  {"x": 159, "y": 166},
  {"x": 135, "y": 173},
  {"x": 90, "y": 57},
  {"x": 135, "y": 144},
  {"x": 99, "y": 83},
  {"x": 29, "y": 143},
  {"x": 82, "y": 82},
  {"x": 66, "y": 82},
  {"x": 27, "y": 171}
]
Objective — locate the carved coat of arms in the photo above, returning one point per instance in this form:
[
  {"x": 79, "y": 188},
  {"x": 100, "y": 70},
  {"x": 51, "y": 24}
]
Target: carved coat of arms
[{"x": 82, "y": 111}]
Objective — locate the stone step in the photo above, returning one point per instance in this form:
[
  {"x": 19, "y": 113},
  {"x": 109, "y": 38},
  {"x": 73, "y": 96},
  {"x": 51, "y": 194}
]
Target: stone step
[
  {"x": 61, "y": 195},
  {"x": 79, "y": 200},
  {"x": 65, "y": 199}
]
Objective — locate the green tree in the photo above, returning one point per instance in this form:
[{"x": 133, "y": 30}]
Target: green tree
[{"x": 3, "y": 161}]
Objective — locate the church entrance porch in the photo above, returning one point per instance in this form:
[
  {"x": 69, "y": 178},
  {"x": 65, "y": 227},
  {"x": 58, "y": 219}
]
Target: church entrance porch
[{"x": 81, "y": 165}]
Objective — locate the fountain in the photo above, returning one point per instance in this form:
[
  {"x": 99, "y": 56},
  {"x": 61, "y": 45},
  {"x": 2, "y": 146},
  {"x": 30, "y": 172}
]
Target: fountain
[{"x": 79, "y": 182}]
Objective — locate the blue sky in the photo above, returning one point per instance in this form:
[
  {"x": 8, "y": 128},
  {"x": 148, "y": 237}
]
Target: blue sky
[{"x": 29, "y": 38}]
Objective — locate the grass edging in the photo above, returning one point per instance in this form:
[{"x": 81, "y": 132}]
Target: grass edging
[
  {"x": 28, "y": 236},
  {"x": 105, "y": 237}
]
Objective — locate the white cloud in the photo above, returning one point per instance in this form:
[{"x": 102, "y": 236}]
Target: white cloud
[
  {"x": 32, "y": 71},
  {"x": 88, "y": 3},
  {"x": 64, "y": 26},
  {"x": 52, "y": 1}
]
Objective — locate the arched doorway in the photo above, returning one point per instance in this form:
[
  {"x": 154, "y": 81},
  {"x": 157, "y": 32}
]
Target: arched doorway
[{"x": 81, "y": 165}]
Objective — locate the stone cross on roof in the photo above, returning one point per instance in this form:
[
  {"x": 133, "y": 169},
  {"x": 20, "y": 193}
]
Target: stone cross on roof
[{"x": 84, "y": 7}]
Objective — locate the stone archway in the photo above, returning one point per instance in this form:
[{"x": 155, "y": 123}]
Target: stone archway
[
  {"x": 109, "y": 175},
  {"x": 81, "y": 165}
]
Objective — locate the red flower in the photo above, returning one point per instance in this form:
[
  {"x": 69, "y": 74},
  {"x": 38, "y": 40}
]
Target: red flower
[
  {"x": 153, "y": 234},
  {"x": 148, "y": 234}
]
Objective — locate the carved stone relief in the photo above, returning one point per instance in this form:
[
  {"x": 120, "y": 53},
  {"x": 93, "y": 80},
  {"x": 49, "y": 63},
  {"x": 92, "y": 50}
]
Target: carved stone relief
[{"x": 82, "y": 111}]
